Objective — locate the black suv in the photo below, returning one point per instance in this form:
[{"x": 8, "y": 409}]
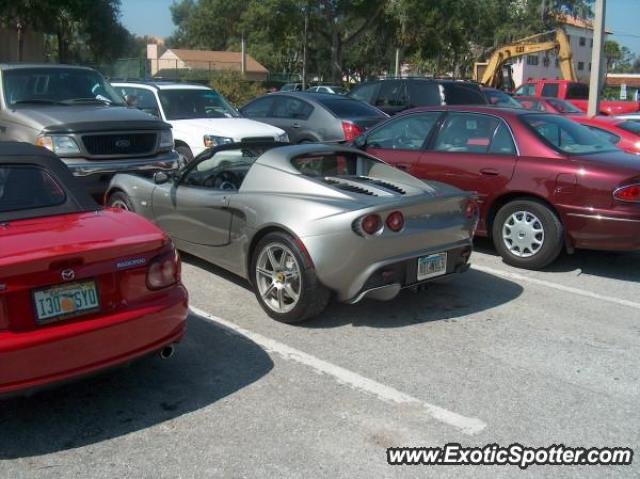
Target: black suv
[{"x": 395, "y": 95}]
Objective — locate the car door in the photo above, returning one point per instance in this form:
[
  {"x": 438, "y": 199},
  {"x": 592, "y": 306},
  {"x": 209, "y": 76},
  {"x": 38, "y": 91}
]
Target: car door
[
  {"x": 193, "y": 208},
  {"x": 401, "y": 141},
  {"x": 292, "y": 115},
  {"x": 472, "y": 151}
]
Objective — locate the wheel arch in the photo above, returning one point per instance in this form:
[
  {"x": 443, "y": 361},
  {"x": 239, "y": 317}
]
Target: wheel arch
[
  {"x": 502, "y": 200},
  {"x": 261, "y": 233}
]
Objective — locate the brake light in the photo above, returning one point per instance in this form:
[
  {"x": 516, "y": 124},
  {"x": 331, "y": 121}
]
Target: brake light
[
  {"x": 470, "y": 209},
  {"x": 395, "y": 221},
  {"x": 630, "y": 193},
  {"x": 351, "y": 130},
  {"x": 164, "y": 270},
  {"x": 371, "y": 224}
]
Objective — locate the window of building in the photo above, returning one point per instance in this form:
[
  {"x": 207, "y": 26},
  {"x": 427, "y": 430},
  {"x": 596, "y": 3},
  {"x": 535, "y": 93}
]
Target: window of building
[
  {"x": 581, "y": 66},
  {"x": 591, "y": 43},
  {"x": 533, "y": 60},
  {"x": 583, "y": 41}
]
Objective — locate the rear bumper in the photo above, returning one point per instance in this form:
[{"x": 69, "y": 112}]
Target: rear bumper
[
  {"x": 61, "y": 352},
  {"x": 604, "y": 230}
]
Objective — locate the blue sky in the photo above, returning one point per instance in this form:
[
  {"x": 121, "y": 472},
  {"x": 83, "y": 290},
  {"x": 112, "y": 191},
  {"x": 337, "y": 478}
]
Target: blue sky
[{"x": 152, "y": 17}]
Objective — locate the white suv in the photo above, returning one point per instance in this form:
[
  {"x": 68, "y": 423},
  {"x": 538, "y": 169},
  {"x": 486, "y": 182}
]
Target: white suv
[{"x": 201, "y": 117}]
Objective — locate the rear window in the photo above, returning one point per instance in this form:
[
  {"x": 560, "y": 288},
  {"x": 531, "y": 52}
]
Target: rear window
[
  {"x": 25, "y": 187},
  {"x": 630, "y": 125},
  {"x": 577, "y": 91},
  {"x": 463, "y": 94},
  {"x": 343, "y": 108},
  {"x": 566, "y": 135}
]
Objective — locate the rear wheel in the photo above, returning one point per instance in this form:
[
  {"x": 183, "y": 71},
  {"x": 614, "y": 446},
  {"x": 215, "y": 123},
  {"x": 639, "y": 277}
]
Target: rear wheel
[
  {"x": 120, "y": 200},
  {"x": 185, "y": 151},
  {"x": 287, "y": 289},
  {"x": 527, "y": 234}
]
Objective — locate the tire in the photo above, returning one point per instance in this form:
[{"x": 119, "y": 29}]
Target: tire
[
  {"x": 540, "y": 225},
  {"x": 120, "y": 200},
  {"x": 274, "y": 290},
  {"x": 185, "y": 151}
]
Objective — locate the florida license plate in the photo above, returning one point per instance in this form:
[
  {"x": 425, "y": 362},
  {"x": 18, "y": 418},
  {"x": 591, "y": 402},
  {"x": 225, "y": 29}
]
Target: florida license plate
[
  {"x": 58, "y": 302},
  {"x": 432, "y": 265}
]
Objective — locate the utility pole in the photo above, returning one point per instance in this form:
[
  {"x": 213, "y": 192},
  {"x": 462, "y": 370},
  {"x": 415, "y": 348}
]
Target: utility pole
[
  {"x": 304, "y": 47},
  {"x": 397, "y": 73},
  {"x": 597, "y": 79}
]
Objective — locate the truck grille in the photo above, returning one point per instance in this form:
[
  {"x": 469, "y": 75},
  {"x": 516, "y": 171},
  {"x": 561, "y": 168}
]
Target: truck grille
[{"x": 120, "y": 144}]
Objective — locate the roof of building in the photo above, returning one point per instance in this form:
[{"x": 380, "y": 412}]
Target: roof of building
[{"x": 221, "y": 60}]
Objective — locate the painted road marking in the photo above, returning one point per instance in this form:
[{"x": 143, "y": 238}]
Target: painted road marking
[
  {"x": 556, "y": 286},
  {"x": 467, "y": 425}
]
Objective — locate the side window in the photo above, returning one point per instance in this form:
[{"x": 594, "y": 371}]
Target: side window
[
  {"x": 365, "y": 92},
  {"x": 291, "y": 108},
  {"x": 528, "y": 89},
  {"x": 259, "y": 108},
  {"x": 406, "y": 133},
  {"x": 424, "y": 93},
  {"x": 389, "y": 94},
  {"x": 550, "y": 89},
  {"x": 577, "y": 91},
  {"x": 502, "y": 143},
  {"x": 461, "y": 94},
  {"x": 605, "y": 135},
  {"x": 145, "y": 100},
  {"x": 467, "y": 133}
]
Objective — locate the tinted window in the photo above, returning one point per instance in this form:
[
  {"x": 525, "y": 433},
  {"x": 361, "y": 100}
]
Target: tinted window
[
  {"x": 259, "y": 108},
  {"x": 389, "y": 95},
  {"x": 563, "y": 106},
  {"x": 188, "y": 103},
  {"x": 467, "y": 132},
  {"x": 463, "y": 94},
  {"x": 365, "y": 92},
  {"x": 346, "y": 108},
  {"x": 565, "y": 135},
  {"x": 405, "y": 133},
  {"x": 292, "y": 108},
  {"x": 605, "y": 135},
  {"x": 422, "y": 93},
  {"x": 630, "y": 125},
  {"x": 502, "y": 143},
  {"x": 28, "y": 187},
  {"x": 577, "y": 91},
  {"x": 550, "y": 89}
]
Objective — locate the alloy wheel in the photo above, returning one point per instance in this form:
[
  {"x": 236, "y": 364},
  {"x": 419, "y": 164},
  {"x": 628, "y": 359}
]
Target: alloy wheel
[{"x": 278, "y": 277}]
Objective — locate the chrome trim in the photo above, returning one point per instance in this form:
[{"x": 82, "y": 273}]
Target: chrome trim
[
  {"x": 605, "y": 218},
  {"x": 165, "y": 162}
]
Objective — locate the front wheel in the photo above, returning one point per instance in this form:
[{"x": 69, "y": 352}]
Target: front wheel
[
  {"x": 527, "y": 234},
  {"x": 287, "y": 289}
]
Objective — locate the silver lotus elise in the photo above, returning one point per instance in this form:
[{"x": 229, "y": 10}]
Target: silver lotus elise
[{"x": 304, "y": 222}]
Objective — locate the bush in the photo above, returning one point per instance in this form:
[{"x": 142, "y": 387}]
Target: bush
[{"x": 235, "y": 88}]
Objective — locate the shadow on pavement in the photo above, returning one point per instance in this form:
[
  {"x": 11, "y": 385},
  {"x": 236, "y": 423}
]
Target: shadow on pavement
[
  {"x": 620, "y": 265},
  {"x": 459, "y": 296},
  {"x": 208, "y": 365}
]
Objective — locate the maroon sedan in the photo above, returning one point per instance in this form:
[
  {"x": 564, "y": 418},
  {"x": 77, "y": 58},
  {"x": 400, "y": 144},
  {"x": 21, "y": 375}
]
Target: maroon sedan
[
  {"x": 623, "y": 133},
  {"x": 544, "y": 182}
]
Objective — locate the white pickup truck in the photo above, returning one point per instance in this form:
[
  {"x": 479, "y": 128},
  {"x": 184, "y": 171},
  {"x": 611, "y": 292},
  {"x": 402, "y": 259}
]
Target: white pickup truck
[{"x": 201, "y": 117}]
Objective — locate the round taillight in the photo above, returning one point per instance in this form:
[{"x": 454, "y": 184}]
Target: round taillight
[
  {"x": 471, "y": 209},
  {"x": 395, "y": 221},
  {"x": 371, "y": 224}
]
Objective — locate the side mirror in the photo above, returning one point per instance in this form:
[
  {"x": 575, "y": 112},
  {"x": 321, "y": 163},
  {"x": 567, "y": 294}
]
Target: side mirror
[
  {"x": 160, "y": 177},
  {"x": 131, "y": 100}
]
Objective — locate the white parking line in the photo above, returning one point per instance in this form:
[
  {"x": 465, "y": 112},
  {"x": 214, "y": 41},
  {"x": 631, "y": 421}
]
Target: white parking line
[
  {"x": 467, "y": 425},
  {"x": 557, "y": 286}
]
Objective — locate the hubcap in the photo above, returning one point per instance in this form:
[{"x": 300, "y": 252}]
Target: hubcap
[
  {"x": 119, "y": 204},
  {"x": 278, "y": 278},
  {"x": 523, "y": 234}
]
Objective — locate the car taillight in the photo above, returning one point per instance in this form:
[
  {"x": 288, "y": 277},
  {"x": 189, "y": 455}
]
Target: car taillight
[
  {"x": 471, "y": 209},
  {"x": 351, "y": 130},
  {"x": 371, "y": 224},
  {"x": 164, "y": 270},
  {"x": 395, "y": 221},
  {"x": 630, "y": 193}
]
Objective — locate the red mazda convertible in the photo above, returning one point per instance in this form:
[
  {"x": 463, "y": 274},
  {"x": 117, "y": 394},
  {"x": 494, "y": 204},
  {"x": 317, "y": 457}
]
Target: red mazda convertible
[
  {"x": 81, "y": 288},
  {"x": 545, "y": 182}
]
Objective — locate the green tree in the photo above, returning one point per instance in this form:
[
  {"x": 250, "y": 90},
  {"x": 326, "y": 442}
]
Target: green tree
[{"x": 619, "y": 58}]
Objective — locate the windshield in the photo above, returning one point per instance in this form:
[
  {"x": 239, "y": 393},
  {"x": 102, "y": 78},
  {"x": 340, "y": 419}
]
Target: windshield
[
  {"x": 57, "y": 86},
  {"x": 500, "y": 98},
  {"x": 632, "y": 126},
  {"x": 566, "y": 135},
  {"x": 185, "y": 104}
]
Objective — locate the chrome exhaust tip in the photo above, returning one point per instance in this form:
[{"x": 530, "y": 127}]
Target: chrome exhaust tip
[{"x": 167, "y": 351}]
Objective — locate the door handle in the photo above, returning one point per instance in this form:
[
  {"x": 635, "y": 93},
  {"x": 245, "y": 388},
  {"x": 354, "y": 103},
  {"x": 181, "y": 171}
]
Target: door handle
[{"x": 489, "y": 172}]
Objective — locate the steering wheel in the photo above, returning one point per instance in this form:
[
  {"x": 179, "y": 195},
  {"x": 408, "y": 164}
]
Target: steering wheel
[{"x": 226, "y": 180}]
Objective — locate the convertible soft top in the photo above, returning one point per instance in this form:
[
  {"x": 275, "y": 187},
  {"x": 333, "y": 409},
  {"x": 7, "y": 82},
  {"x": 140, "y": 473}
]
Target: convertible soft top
[{"x": 75, "y": 200}]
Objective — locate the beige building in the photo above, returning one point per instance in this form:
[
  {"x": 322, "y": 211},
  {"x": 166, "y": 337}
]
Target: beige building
[{"x": 173, "y": 59}]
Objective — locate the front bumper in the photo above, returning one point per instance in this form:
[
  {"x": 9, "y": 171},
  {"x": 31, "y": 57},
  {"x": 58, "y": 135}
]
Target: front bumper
[
  {"x": 83, "y": 167},
  {"x": 32, "y": 359}
]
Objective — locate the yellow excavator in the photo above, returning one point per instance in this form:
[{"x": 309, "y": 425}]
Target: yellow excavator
[{"x": 494, "y": 74}]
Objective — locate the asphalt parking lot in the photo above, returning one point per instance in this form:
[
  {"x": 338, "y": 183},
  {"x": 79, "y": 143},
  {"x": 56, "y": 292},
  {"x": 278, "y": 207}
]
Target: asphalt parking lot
[{"x": 497, "y": 355}]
